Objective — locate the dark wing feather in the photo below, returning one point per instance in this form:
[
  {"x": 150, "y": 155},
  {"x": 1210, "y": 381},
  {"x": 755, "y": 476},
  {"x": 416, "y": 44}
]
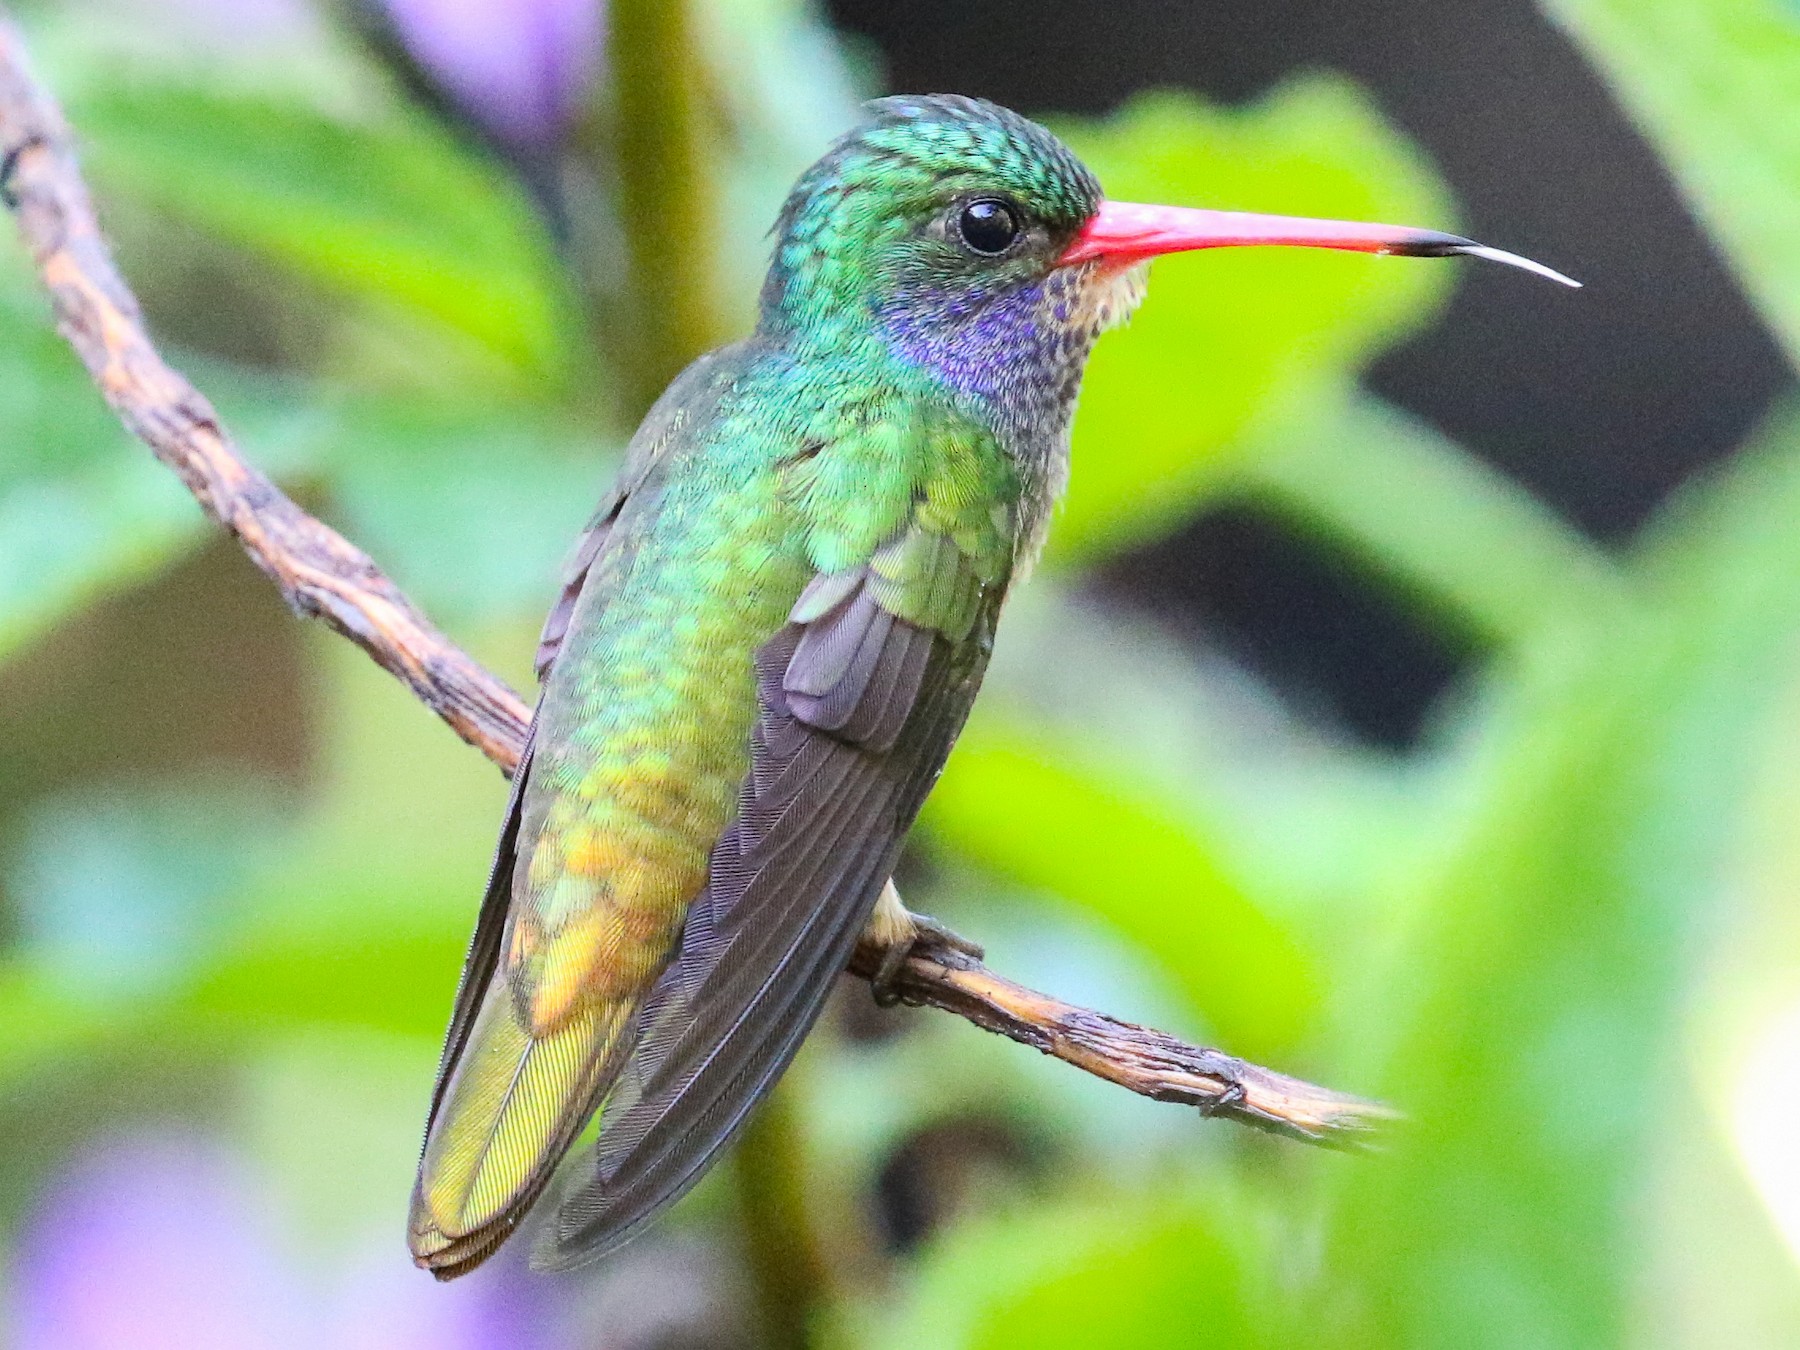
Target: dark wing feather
[
  {"x": 490, "y": 927},
  {"x": 840, "y": 767}
]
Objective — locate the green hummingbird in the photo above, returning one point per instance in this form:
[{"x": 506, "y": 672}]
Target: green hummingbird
[{"x": 767, "y": 643}]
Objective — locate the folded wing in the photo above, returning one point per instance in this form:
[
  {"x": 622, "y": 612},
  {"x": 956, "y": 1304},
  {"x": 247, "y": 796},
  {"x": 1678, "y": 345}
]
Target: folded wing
[{"x": 858, "y": 708}]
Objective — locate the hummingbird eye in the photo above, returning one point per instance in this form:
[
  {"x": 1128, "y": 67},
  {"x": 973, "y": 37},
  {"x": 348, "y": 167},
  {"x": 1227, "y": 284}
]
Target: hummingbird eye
[{"x": 988, "y": 226}]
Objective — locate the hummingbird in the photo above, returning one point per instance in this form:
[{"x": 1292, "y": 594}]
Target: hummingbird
[{"x": 767, "y": 642}]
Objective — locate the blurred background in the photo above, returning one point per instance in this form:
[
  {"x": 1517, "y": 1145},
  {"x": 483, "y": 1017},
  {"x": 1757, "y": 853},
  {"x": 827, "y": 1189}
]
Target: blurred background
[{"x": 1409, "y": 699}]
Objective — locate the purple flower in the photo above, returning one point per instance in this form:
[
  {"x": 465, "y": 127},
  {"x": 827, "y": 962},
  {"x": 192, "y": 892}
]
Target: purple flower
[
  {"x": 166, "y": 1243},
  {"x": 520, "y": 69}
]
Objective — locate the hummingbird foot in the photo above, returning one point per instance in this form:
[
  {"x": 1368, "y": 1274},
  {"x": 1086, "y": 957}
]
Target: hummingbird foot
[{"x": 898, "y": 933}]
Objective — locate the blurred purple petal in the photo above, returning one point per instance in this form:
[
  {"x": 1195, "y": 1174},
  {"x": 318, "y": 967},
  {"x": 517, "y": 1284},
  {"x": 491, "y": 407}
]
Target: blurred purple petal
[
  {"x": 164, "y": 1244},
  {"x": 389, "y": 1304},
  {"x": 520, "y": 68},
  {"x": 154, "y": 1244}
]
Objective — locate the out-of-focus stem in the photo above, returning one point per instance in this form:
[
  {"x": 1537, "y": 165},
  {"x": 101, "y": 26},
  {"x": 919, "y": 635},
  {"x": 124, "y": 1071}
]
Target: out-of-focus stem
[
  {"x": 666, "y": 213},
  {"x": 667, "y": 207},
  {"x": 781, "y": 1255}
]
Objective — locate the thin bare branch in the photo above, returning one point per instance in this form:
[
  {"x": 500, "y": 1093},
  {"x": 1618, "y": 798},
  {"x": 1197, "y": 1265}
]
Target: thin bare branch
[
  {"x": 323, "y": 576},
  {"x": 1150, "y": 1063},
  {"x": 320, "y": 573}
]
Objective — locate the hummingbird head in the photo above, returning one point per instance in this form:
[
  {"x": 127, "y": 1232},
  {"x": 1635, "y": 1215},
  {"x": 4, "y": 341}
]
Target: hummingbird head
[
  {"x": 937, "y": 222},
  {"x": 971, "y": 243}
]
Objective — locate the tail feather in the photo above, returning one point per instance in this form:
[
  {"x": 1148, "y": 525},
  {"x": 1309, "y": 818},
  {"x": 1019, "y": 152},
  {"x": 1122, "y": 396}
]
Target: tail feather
[{"x": 512, "y": 1107}]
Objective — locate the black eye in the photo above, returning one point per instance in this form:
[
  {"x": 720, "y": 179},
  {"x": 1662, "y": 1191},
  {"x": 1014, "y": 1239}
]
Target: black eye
[{"x": 988, "y": 226}]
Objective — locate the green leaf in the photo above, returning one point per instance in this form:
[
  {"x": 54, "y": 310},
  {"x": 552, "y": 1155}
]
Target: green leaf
[
  {"x": 1232, "y": 336},
  {"x": 1044, "y": 816},
  {"x": 81, "y": 507},
  {"x": 393, "y": 214},
  {"x": 1530, "y": 1020},
  {"x": 398, "y": 217},
  {"x": 472, "y": 515},
  {"x": 86, "y": 510},
  {"x": 1117, "y": 1273},
  {"x": 69, "y": 538},
  {"x": 357, "y": 919},
  {"x": 1714, "y": 83},
  {"x": 118, "y": 889},
  {"x": 1461, "y": 540}
]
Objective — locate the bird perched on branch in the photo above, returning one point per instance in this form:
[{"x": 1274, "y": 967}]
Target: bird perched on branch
[{"x": 768, "y": 641}]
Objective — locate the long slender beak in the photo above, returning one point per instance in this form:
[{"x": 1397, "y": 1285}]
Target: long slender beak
[{"x": 1125, "y": 232}]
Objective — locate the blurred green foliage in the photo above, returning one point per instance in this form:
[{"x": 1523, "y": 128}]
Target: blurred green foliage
[
  {"x": 391, "y": 216},
  {"x": 1300, "y": 325},
  {"x": 1553, "y": 935}
]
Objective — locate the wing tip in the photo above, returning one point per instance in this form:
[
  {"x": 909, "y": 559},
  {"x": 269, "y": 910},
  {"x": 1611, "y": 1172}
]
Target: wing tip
[
  {"x": 468, "y": 1200},
  {"x": 447, "y": 1256},
  {"x": 566, "y": 1243}
]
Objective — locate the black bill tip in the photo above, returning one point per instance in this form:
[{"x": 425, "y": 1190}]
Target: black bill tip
[{"x": 1453, "y": 246}]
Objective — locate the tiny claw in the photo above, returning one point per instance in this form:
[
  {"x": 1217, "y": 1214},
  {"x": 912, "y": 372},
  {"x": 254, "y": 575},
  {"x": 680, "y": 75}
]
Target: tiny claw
[
  {"x": 900, "y": 934},
  {"x": 1234, "y": 1095},
  {"x": 931, "y": 933},
  {"x": 881, "y": 987}
]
